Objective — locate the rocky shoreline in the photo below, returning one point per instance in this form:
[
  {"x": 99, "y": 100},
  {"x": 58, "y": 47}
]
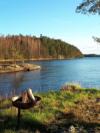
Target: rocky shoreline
[{"x": 5, "y": 68}]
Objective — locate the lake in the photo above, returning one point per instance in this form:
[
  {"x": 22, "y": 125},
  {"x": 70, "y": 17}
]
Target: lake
[{"x": 53, "y": 75}]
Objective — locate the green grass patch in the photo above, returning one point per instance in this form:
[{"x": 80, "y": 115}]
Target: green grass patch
[{"x": 53, "y": 104}]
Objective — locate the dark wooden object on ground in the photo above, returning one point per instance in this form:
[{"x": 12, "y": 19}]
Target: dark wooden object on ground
[{"x": 24, "y": 105}]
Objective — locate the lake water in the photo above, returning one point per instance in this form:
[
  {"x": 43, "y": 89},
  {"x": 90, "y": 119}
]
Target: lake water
[{"x": 53, "y": 75}]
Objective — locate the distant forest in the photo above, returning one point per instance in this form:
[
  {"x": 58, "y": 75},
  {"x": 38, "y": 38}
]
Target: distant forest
[{"x": 30, "y": 47}]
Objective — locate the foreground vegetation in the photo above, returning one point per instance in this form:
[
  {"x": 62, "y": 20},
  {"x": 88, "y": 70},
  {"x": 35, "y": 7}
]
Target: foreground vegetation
[{"x": 58, "y": 112}]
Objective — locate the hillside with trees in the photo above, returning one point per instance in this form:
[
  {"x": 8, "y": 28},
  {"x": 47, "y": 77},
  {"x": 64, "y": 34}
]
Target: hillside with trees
[{"x": 31, "y": 47}]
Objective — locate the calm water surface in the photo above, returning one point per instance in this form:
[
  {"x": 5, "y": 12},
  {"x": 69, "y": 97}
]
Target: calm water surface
[{"x": 53, "y": 75}]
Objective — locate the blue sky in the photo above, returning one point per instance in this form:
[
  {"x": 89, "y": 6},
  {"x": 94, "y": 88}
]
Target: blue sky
[{"x": 53, "y": 18}]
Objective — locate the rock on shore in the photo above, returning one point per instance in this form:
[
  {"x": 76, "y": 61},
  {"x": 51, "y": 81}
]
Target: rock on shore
[{"x": 18, "y": 67}]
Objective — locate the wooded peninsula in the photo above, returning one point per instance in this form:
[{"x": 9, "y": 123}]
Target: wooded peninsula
[{"x": 32, "y": 47}]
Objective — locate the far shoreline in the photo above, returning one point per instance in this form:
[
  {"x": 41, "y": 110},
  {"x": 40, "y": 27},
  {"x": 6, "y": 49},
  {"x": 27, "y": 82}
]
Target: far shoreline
[
  {"x": 17, "y": 65},
  {"x": 36, "y": 59}
]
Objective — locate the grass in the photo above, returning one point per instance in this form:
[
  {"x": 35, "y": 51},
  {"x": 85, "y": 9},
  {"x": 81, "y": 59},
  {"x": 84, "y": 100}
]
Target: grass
[{"x": 56, "y": 111}]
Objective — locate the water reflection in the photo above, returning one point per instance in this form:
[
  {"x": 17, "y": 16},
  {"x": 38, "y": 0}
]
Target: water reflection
[{"x": 17, "y": 80}]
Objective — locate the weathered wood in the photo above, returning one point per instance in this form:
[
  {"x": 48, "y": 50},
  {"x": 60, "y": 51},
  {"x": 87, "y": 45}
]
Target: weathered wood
[
  {"x": 19, "y": 104},
  {"x": 25, "y": 101}
]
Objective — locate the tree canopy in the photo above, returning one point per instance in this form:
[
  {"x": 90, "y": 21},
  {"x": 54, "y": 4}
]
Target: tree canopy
[
  {"x": 28, "y": 47},
  {"x": 89, "y": 6}
]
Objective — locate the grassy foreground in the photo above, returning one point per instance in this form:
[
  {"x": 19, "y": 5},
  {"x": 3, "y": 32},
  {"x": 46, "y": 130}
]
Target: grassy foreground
[{"x": 63, "y": 111}]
